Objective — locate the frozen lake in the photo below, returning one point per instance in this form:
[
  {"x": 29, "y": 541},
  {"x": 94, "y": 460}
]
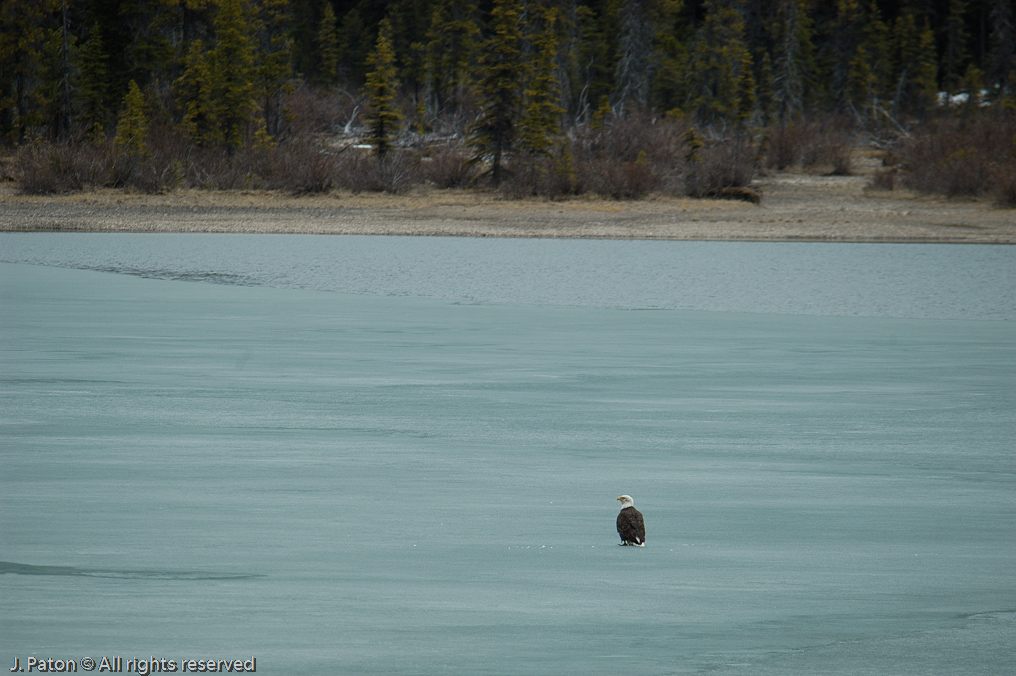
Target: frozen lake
[{"x": 400, "y": 456}]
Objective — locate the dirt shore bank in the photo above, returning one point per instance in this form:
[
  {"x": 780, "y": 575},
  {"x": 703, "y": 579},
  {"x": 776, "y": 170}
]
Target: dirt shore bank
[{"x": 795, "y": 207}]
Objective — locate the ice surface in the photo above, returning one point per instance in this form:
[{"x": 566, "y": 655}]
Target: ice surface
[{"x": 343, "y": 483}]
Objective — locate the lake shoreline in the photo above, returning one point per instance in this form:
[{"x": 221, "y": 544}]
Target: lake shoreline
[{"x": 794, "y": 207}]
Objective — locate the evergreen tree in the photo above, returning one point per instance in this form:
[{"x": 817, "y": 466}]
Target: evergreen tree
[
  {"x": 596, "y": 60},
  {"x": 766, "y": 102},
  {"x": 410, "y": 20},
  {"x": 22, "y": 36},
  {"x": 541, "y": 120},
  {"x": 132, "y": 125},
  {"x": 794, "y": 57},
  {"x": 195, "y": 96},
  {"x": 383, "y": 115},
  {"x": 717, "y": 61},
  {"x": 328, "y": 45},
  {"x": 50, "y": 92},
  {"x": 746, "y": 94},
  {"x": 305, "y": 28},
  {"x": 92, "y": 85},
  {"x": 148, "y": 33},
  {"x": 193, "y": 20},
  {"x": 913, "y": 65},
  {"x": 925, "y": 87},
  {"x": 634, "y": 58},
  {"x": 451, "y": 51},
  {"x": 972, "y": 84},
  {"x": 955, "y": 55},
  {"x": 869, "y": 76},
  {"x": 273, "y": 59},
  {"x": 845, "y": 37},
  {"x": 1002, "y": 61},
  {"x": 232, "y": 59},
  {"x": 567, "y": 61},
  {"x": 53, "y": 85},
  {"x": 650, "y": 55},
  {"x": 670, "y": 53},
  {"x": 354, "y": 46},
  {"x": 500, "y": 73}
]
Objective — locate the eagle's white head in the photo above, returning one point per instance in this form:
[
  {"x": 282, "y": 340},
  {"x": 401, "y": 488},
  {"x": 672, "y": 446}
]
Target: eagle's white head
[{"x": 626, "y": 501}]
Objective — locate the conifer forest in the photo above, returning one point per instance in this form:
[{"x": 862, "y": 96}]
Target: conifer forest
[{"x": 619, "y": 98}]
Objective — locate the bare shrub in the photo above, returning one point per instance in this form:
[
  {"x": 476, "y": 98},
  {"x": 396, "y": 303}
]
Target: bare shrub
[
  {"x": 883, "y": 179},
  {"x": 843, "y": 161},
  {"x": 138, "y": 173},
  {"x": 620, "y": 179},
  {"x": 449, "y": 167},
  {"x": 629, "y": 157},
  {"x": 311, "y": 111},
  {"x": 360, "y": 172},
  {"x": 49, "y": 168},
  {"x": 397, "y": 172},
  {"x": 550, "y": 176},
  {"x": 965, "y": 172},
  {"x": 786, "y": 145},
  {"x": 45, "y": 168},
  {"x": 830, "y": 151},
  {"x": 353, "y": 172},
  {"x": 830, "y": 145},
  {"x": 1005, "y": 187},
  {"x": 298, "y": 166},
  {"x": 7, "y": 168},
  {"x": 722, "y": 164},
  {"x": 824, "y": 144},
  {"x": 960, "y": 157},
  {"x": 211, "y": 169},
  {"x": 303, "y": 167}
]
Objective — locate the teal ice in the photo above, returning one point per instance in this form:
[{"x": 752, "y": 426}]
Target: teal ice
[{"x": 400, "y": 456}]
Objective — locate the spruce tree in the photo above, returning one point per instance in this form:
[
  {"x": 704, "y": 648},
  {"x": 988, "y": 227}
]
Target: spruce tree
[
  {"x": 766, "y": 102},
  {"x": 92, "y": 85},
  {"x": 354, "y": 46},
  {"x": 955, "y": 54},
  {"x": 232, "y": 60},
  {"x": 870, "y": 73},
  {"x": 147, "y": 29},
  {"x": 634, "y": 58},
  {"x": 596, "y": 57},
  {"x": 22, "y": 35},
  {"x": 794, "y": 54},
  {"x": 1002, "y": 57},
  {"x": 499, "y": 76},
  {"x": 382, "y": 86},
  {"x": 541, "y": 120},
  {"x": 925, "y": 87},
  {"x": 50, "y": 86},
  {"x": 328, "y": 45},
  {"x": 451, "y": 51},
  {"x": 847, "y": 33},
  {"x": 913, "y": 65},
  {"x": 746, "y": 90},
  {"x": 716, "y": 65},
  {"x": 132, "y": 124},
  {"x": 670, "y": 53},
  {"x": 409, "y": 20},
  {"x": 195, "y": 97},
  {"x": 272, "y": 59}
]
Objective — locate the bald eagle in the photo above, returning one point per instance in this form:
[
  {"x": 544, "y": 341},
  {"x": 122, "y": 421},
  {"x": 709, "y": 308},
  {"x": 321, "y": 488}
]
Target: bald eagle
[{"x": 630, "y": 525}]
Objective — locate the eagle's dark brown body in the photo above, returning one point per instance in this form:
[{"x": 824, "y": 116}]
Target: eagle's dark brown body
[{"x": 631, "y": 527}]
